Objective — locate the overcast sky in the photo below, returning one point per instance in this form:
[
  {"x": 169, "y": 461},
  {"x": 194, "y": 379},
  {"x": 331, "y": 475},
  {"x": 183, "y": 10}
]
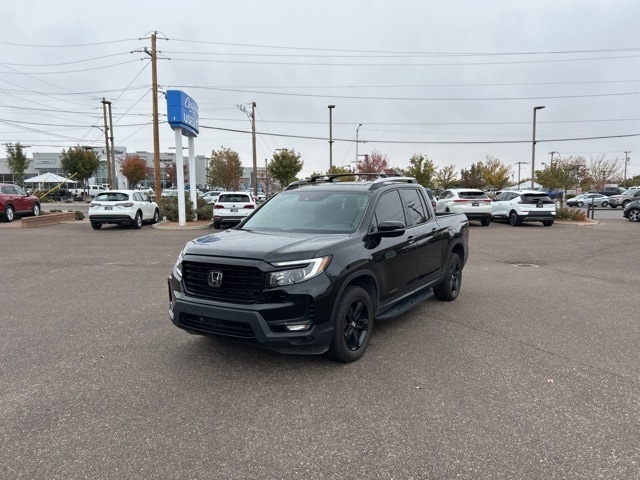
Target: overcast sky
[{"x": 456, "y": 81}]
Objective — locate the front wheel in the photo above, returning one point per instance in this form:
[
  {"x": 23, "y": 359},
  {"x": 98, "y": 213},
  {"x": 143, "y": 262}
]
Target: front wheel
[
  {"x": 352, "y": 327},
  {"x": 36, "y": 209},
  {"x": 580, "y": 204},
  {"x": 449, "y": 289},
  {"x": 514, "y": 221},
  {"x": 9, "y": 214},
  {"x": 634, "y": 215}
]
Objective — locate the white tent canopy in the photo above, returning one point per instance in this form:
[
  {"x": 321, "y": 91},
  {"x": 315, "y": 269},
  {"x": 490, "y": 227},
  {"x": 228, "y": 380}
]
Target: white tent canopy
[{"x": 49, "y": 178}]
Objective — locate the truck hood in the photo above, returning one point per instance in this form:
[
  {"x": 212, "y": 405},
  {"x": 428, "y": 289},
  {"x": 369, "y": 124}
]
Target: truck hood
[{"x": 267, "y": 246}]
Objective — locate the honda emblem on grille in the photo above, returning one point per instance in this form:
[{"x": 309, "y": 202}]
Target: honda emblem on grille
[{"x": 215, "y": 278}]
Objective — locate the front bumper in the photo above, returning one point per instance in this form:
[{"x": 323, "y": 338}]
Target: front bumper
[{"x": 261, "y": 324}]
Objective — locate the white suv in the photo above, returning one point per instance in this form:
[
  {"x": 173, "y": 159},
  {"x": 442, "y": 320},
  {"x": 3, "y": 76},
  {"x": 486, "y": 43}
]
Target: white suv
[
  {"x": 473, "y": 202},
  {"x": 232, "y": 207},
  {"x": 519, "y": 206}
]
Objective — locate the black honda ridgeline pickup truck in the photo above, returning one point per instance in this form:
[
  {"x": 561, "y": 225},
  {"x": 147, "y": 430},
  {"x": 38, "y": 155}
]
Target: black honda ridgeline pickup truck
[{"x": 314, "y": 267}]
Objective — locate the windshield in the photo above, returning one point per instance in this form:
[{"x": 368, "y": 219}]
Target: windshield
[{"x": 310, "y": 211}]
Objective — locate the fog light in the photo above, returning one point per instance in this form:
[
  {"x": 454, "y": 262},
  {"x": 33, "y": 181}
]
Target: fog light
[{"x": 298, "y": 327}]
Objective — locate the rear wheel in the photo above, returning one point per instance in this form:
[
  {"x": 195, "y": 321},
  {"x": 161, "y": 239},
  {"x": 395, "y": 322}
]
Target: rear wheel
[
  {"x": 137, "y": 221},
  {"x": 352, "y": 327},
  {"x": 605, "y": 204},
  {"x": 96, "y": 225},
  {"x": 156, "y": 216},
  {"x": 514, "y": 221},
  {"x": 449, "y": 289},
  {"x": 485, "y": 222},
  {"x": 216, "y": 225},
  {"x": 547, "y": 223},
  {"x": 9, "y": 214},
  {"x": 634, "y": 215}
]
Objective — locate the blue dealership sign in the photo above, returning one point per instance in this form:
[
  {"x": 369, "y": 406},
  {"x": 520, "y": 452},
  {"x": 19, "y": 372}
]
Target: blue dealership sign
[{"x": 182, "y": 111}]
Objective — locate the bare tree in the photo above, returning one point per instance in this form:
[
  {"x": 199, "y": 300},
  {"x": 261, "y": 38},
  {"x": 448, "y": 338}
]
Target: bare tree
[{"x": 605, "y": 170}]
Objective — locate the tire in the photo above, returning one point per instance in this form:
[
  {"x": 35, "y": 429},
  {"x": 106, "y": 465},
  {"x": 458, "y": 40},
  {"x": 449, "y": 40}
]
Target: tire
[
  {"x": 156, "y": 217},
  {"x": 96, "y": 225},
  {"x": 137, "y": 221},
  {"x": 36, "y": 209},
  {"x": 580, "y": 204},
  {"x": 625, "y": 203},
  {"x": 352, "y": 326},
  {"x": 514, "y": 221},
  {"x": 605, "y": 204},
  {"x": 485, "y": 222},
  {"x": 9, "y": 214},
  {"x": 449, "y": 289},
  {"x": 216, "y": 225},
  {"x": 547, "y": 223},
  {"x": 634, "y": 215}
]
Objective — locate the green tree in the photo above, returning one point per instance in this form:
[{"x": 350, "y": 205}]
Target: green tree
[
  {"x": 225, "y": 169},
  {"x": 79, "y": 162},
  {"x": 422, "y": 169},
  {"x": 338, "y": 170},
  {"x": 472, "y": 178},
  {"x": 17, "y": 162},
  {"x": 135, "y": 168},
  {"x": 285, "y": 166},
  {"x": 495, "y": 173},
  {"x": 446, "y": 177}
]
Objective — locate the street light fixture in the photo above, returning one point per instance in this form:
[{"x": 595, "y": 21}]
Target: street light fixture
[
  {"x": 331, "y": 107},
  {"x": 533, "y": 144}
]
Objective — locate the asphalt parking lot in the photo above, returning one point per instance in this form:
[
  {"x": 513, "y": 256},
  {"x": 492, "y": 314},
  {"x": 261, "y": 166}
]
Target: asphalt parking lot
[{"x": 533, "y": 373}]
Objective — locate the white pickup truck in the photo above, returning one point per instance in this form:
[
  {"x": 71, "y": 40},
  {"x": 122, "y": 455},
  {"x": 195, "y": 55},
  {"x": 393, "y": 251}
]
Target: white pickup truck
[{"x": 91, "y": 190}]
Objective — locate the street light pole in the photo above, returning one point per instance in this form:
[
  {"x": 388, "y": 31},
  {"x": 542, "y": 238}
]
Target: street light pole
[
  {"x": 552, "y": 153},
  {"x": 331, "y": 107},
  {"x": 533, "y": 144}
]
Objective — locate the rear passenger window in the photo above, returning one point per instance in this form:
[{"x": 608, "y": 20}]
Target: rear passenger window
[{"x": 414, "y": 205}]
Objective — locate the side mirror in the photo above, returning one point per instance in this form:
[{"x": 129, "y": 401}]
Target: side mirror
[{"x": 390, "y": 228}]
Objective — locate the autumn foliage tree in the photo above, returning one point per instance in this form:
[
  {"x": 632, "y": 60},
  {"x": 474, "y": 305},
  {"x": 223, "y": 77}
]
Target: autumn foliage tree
[
  {"x": 285, "y": 166},
  {"x": 225, "y": 169},
  {"x": 422, "y": 169},
  {"x": 375, "y": 162},
  {"x": 135, "y": 169}
]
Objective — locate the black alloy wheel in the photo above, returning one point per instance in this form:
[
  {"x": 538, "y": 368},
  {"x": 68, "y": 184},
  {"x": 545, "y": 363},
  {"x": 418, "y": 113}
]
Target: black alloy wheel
[{"x": 353, "y": 325}]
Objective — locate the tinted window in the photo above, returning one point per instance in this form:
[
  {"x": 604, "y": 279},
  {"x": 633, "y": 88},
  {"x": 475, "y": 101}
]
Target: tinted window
[
  {"x": 234, "y": 197},
  {"x": 389, "y": 208},
  {"x": 414, "y": 205},
  {"x": 473, "y": 194},
  {"x": 536, "y": 198}
]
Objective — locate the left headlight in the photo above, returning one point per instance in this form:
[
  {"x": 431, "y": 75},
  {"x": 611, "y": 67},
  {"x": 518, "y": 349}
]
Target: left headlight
[{"x": 297, "y": 271}]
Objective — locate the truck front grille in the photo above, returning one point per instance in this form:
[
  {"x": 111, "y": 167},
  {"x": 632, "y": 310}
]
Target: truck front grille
[{"x": 238, "y": 284}]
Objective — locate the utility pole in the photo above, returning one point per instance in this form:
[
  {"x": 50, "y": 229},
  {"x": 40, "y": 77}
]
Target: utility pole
[
  {"x": 156, "y": 133},
  {"x": 112, "y": 173},
  {"x": 253, "y": 140},
  {"x": 626, "y": 160},
  {"x": 106, "y": 140}
]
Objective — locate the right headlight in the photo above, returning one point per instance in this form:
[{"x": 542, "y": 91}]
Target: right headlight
[{"x": 297, "y": 271}]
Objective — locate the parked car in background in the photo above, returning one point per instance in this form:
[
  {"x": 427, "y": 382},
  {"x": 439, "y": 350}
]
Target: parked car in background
[
  {"x": 431, "y": 197},
  {"x": 586, "y": 199},
  {"x": 123, "y": 207},
  {"x": 608, "y": 191},
  {"x": 14, "y": 200},
  {"x": 232, "y": 207},
  {"x": 473, "y": 202},
  {"x": 211, "y": 196},
  {"x": 632, "y": 211},
  {"x": 624, "y": 199},
  {"x": 517, "y": 206}
]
